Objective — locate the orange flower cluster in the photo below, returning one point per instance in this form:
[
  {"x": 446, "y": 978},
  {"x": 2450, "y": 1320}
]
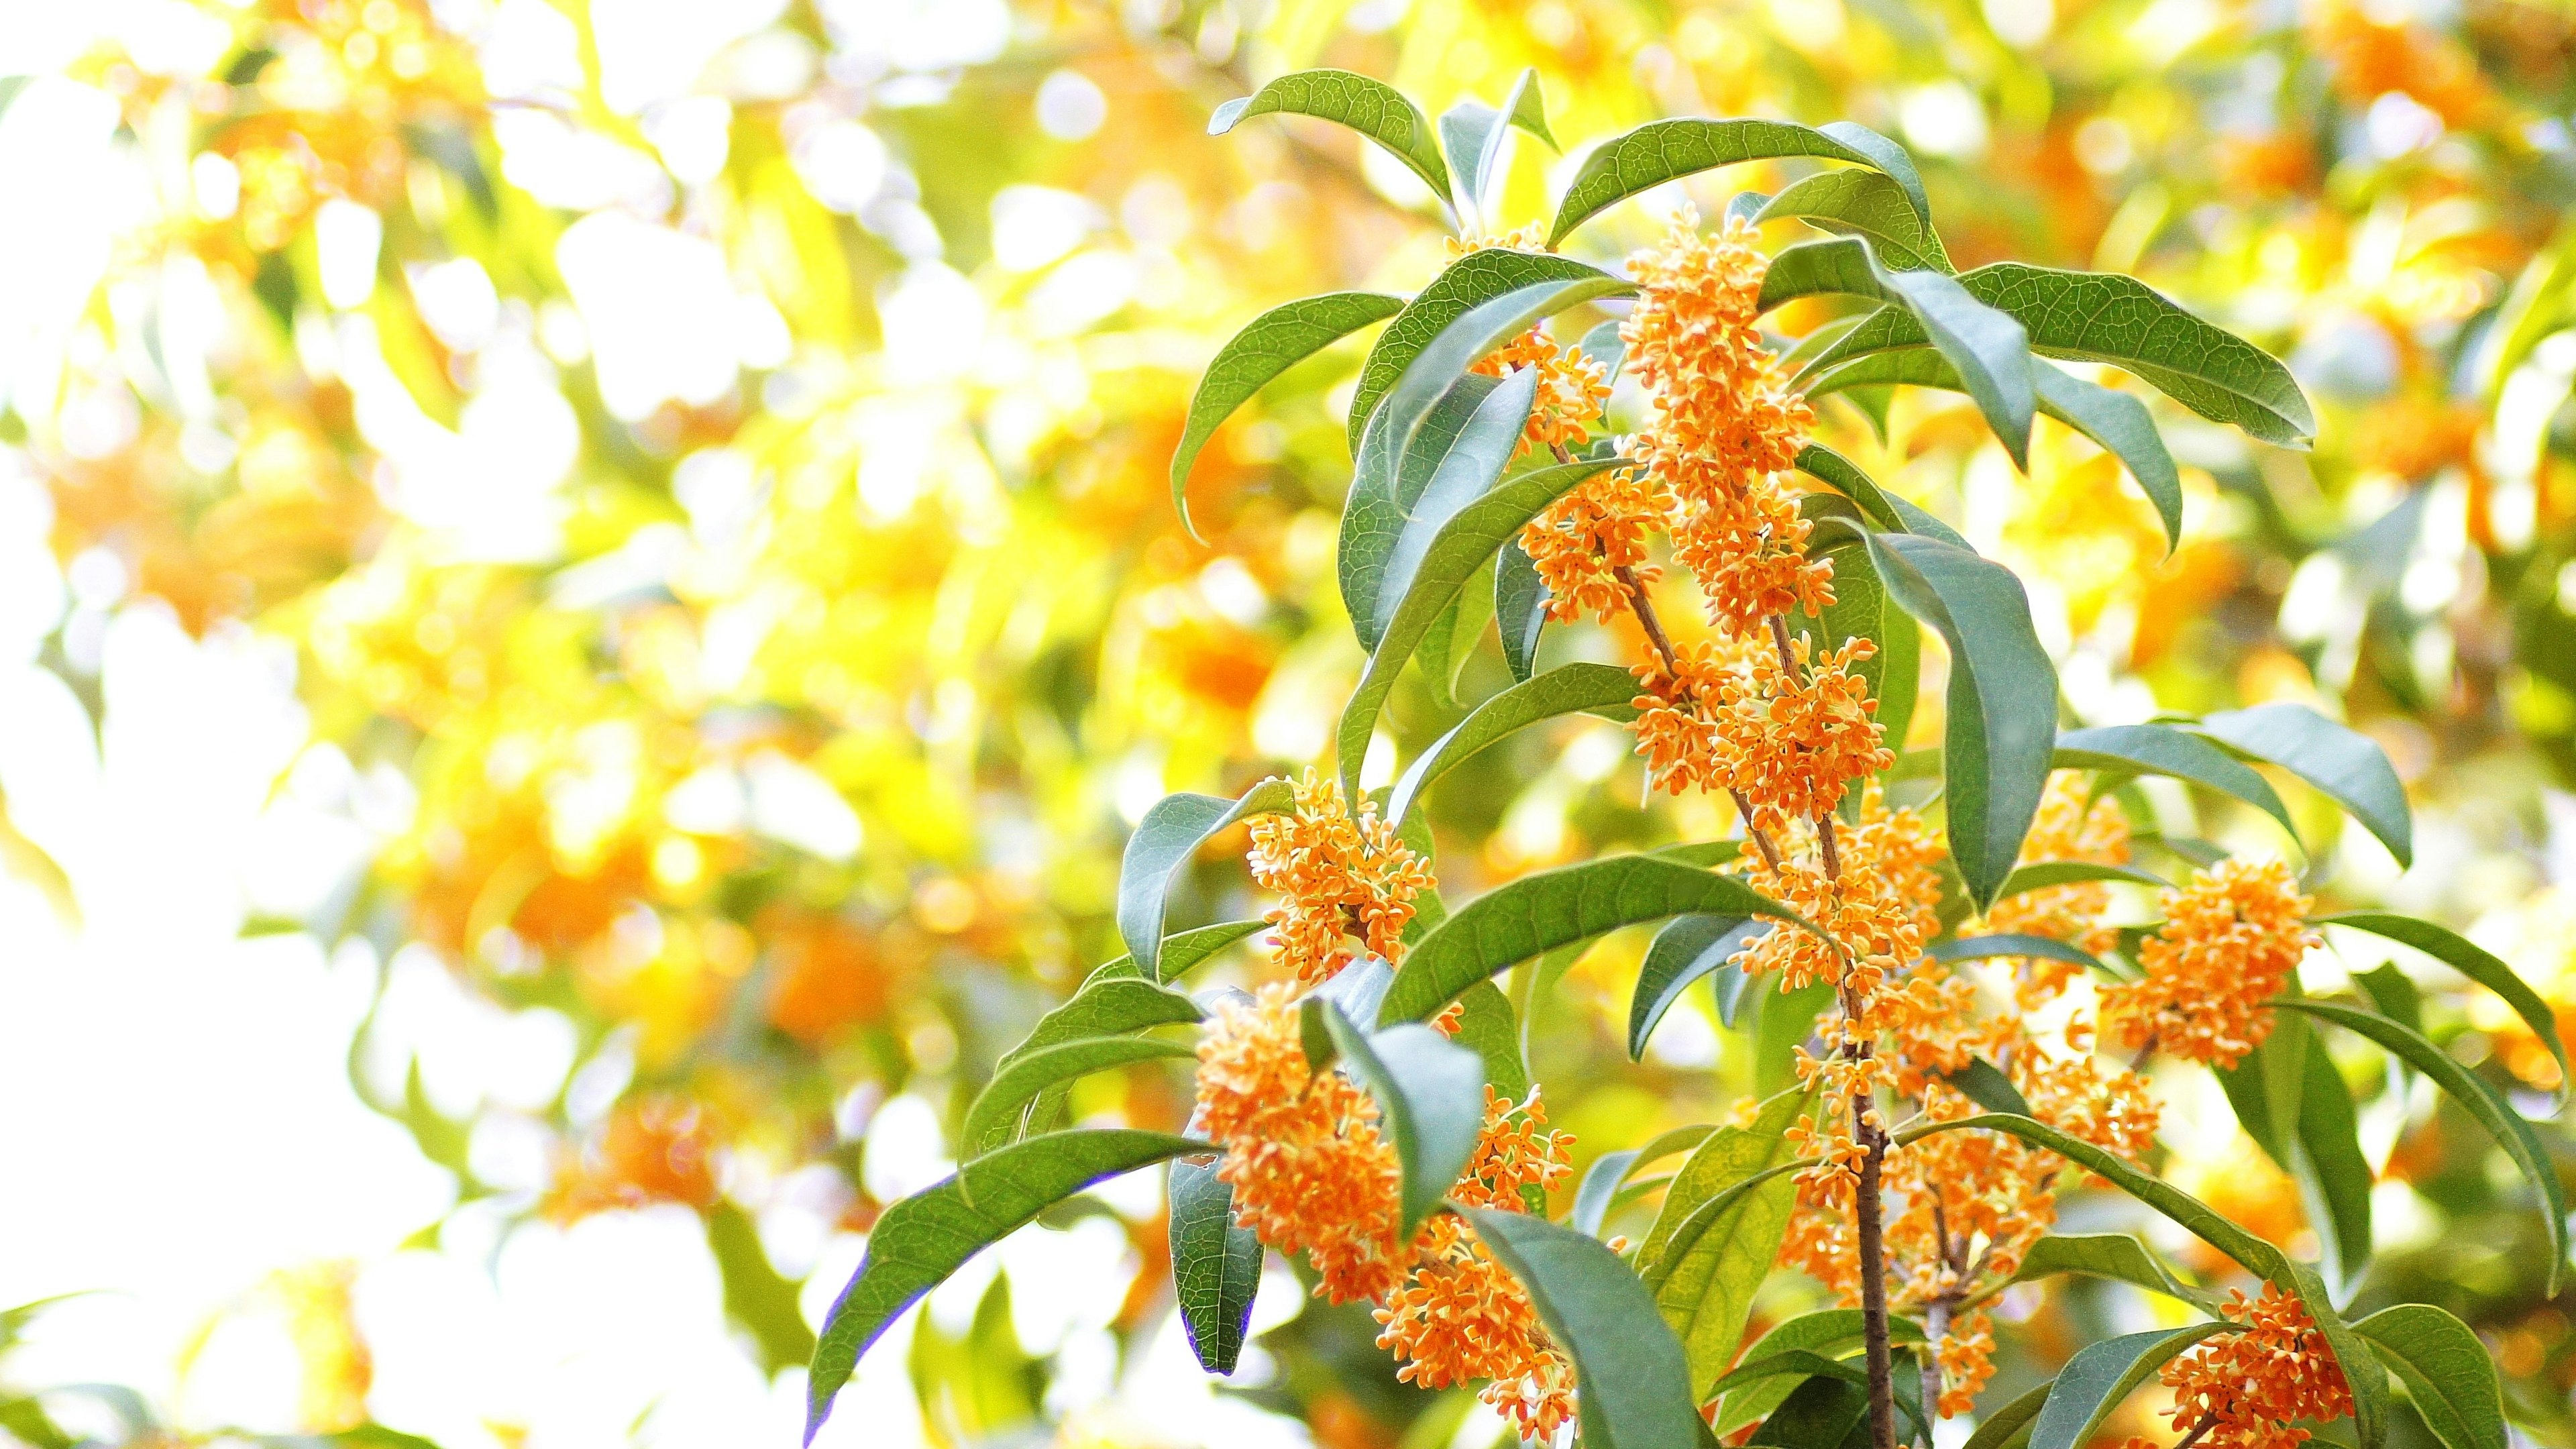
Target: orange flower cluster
[
  {"x": 1311, "y": 1173},
  {"x": 2230, "y": 940},
  {"x": 1461, "y": 1315},
  {"x": 1725, "y": 423},
  {"x": 1571, "y": 388},
  {"x": 2069, "y": 826},
  {"x": 1584, "y": 537},
  {"x": 1338, "y": 875},
  {"x": 2251, "y": 1388},
  {"x": 1881, "y": 908},
  {"x": 1786, "y": 736}
]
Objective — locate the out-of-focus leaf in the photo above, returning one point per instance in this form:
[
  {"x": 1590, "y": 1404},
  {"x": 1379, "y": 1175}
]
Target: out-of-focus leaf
[
  {"x": 2347, "y": 765},
  {"x": 1686, "y": 949},
  {"x": 2471, "y": 1091},
  {"x": 1983, "y": 948},
  {"x": 2010, "y": 1425},
  {"x": 2449, "y": 1375},
  {"x": 1632, "y": 1386},
  {"x": 1659, "y": 151},
  {"x": 2048, "y": 873},
  {"x": 924, "y": 1238},
  {"x": 1601, "y": 689},
  {"x": 756, "y": 1295},
  {"x": 1472, "y": 136},
  {"x": 1371, "y": 107},
  {"x": 1430, "y": 1095},
  {"x": 1267, "y": 346},
  {"x": 2471, "y": 960},
  {"x": 1171, "y": 832},
  {"x": 1517, "y": 921},
  {"x": 1216, "y": 1265},
  {"x": 1985, "y": 1084},
  {"x": 2099, "y": 1376},
  {"x": 1865, "y": 204}
]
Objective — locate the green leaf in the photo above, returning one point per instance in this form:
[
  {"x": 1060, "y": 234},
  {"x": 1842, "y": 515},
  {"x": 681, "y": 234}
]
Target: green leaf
[
  {"x": 1464, "y": 473},
  {"x": 1463, "y": 543},
  {"x": 2106, "y": 1255},
  {"x": 1517, "y": 921},
  {"x": 2103, "y": 317},
  {"x": 1472, "y": 136},
  {"x": 1987, "y": 349},
  {"x": 755, "y": 1294},
  {"x": 1465, "y": 284},
  {"x": 1602, "y": 689},
  {"x": 1861, "y": 610},
  {"x": 1520, "y": 608},
  {"x": 1106, "y": 1006},
  {"x": 2471, "y": 960},
  {"x": 1718, "y": 1234},
  {"x": 2370, "y": 1399},
  {"x": 1604, "y": 345},
  {"x": 2483, "y": 1102},
  {"x": 1982, "y": 948},
  {"x": 1454, "y": 637},
  {"x": 1985, "y": 1084},
  {"x": 2095, "y": 1381},
  {"x": 1890, "y": 158},
  {"x": 2049, "y": 873},
  {"x": 924, "y": 1238},
  {"x": 2448, "y": 1373},
  {"x": 1430, "y": 1095},
  {"x": 1267, "y": 346},
  {"x": 1632, "y": 1385},
  {"x": 1171, "y": 832},
  {"x": 1820, "y": 1413},
  {"x": 1488, "y": 1027},
  {"x": 1798, "y": 1365},
  {"x": 1600, "y": 1184},
  {"x": 998, "y": 1111},
  {"x": 2119, "y": 425},
  {"x": 1181, "y": 951},
  {"x": 2347, "y": 765},
  {"x": 1216, "y": 1266},
  {"x": 2009, "y": 1425},
  {"x": 1686, "y": 949},
  {"x": 1383, "y": 492},
  {"x": 1659, "y": 151},
  {"x": 2002, "y": 723},
  {"x": 2333, "y": 1174},
  {"x": 1865, "y": 204},
  {"x": 1371, "y": 107},
  {"x": 2154, "y": 749},
  {"x": 1825, "y": 1332}
]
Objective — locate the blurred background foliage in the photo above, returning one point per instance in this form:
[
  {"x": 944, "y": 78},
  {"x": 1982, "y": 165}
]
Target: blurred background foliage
[{"x": 695, "y": 476}]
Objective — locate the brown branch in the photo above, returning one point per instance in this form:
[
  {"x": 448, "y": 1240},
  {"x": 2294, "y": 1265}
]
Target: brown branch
[
  {"x": 1647, "y": 619},
  {"x": 1873, "y": 1277}
]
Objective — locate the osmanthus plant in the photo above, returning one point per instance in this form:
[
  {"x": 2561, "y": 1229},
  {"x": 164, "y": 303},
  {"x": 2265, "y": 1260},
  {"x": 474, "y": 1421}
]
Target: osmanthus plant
[{"x": 1901, "y": 933}]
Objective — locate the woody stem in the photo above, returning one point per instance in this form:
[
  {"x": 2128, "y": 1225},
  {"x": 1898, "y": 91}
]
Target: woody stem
[
  {"x": 2207, "y": 1423},
  {"x": 1647, "y": 619},
  {"x": 1873, "y": 1277}
]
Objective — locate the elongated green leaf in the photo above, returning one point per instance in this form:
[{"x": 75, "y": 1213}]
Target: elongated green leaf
[
  {"x": 2347, "y": 765},
  {"x": 2369, "y": 1388},
  {"x": 1371, "y": 107},
  {"x": 2333, "y": 1174},
  {"x": 1105, "y": 1006},
  {"x": 1659, "y": 151},
  {"x": 1520, "y": 608},
  {"x": 1985, "y": 1084},
  {"x": 2107, "y": 1255},
  {"x": 1685, "y": 950},
  {"x": 924, "y": 1238},
  {"x": 1601, "y": 689},
  {"x": 2103, "y": 317},
  {"x": 2471, "y": 960},
  {"x": 1165, "y": 839},
  {"x": 1268, "y": 345},
  {"x": 1464, "y": 474},
  {"x": 1600, "y": 1184},
  {"x": 1886, "y": 511},
  {"x": 1216, "y": 1266},
  {"x": 2095, "y": 1381},
  {"x": 1890, "y": 158},
  {"x": 1182, "y": 950},
  {"x": 1465, "y": 284},
  {"x": 1865, "y": 204},
  {"x": 1430, "y": 1095},
  {"x": 1987, "y": 349},
  {"x": 1861, "y": 610},
  {"x": 2049, "y": 873},
  {"x": 2448, "y": 1373},
  {"x": 1632, "y": 1386},
  {"x": 2471, "y": 1091},
  {"x": 2002, "y": 723},
  {"x": 1453, "y": 638},
  {"x": 2153, "y": 749},
  {"x": 2119, "y": 425},
  {"x": 2010, "y": 1425},
  {"x": 1981, "y": 948},
  {"x": 1472, "y": 137},
  {"x": 1827, "y": 1331},
  {"x": 1820, "y": 1413},
  {"x": 1383, "y": 492},
  {"x": 1464, "y": 542},
  {"x": 1488, "y": 1027},
  {"x": 995, "y": 1117},
  {"x": 1519, "y": 920},
  {"x": 1718, "y": 1233}
]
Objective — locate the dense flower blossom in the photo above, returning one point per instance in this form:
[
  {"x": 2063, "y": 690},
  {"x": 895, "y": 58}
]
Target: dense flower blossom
[
  {"x": 1338, "y": 876},
  {"x": 1310, "y": 1171},
  {"x": 2248, "y": 1390},
  {"x": 2230, "y": 940},
  {"x": 1803, "y": 730},
  {"x": 1571, "y": 387},
  {"x": 1460, "y": 1314},
  {"x": 2070, "y": 826},
  {"x": 1600, "y": 526}
]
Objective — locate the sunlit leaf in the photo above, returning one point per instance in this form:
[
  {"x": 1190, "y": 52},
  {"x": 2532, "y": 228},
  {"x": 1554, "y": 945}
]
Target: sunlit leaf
[
  {"x": 1866, "y": 204},
  {"x": 1172, "y": 831},
  {"x": 1267, "y": 346},
  {"x": 2347, "y": 765},
  {"x": 1599, "y": 689},
  {"x": 1685, "y": 950},
  {"x": 1430, "y": 1095},
  {"x": 1371, "y": 107},
  {"x": 1660, "y": 151},
  {"x": 1216, "y": 1265},
  {"x": 2471, "y": 960},
  {"x": 997, "y": 1113},
  {"x": 1632, "y": 1387},
  {"x": 2153, "y": 749},
  {"x": 1465, "y": 284},
  {"x": 2449, "y": 1375},
  {"x": 2101, "y": 1375}
]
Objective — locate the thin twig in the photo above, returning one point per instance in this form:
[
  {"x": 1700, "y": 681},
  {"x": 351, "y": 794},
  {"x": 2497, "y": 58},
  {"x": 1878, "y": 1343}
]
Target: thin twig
[{"x": 1647, "y": 619}]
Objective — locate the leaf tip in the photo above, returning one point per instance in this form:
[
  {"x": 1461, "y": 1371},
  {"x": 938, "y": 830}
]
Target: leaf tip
[{"x": 1222, "y": 119}]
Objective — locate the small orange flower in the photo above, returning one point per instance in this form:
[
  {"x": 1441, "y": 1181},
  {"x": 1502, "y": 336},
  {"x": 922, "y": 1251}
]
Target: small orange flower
[
  {"x": 1339, "y": 876},
  {"x": 2229, "y": 941},
  {"x": 2066, "y": 828},
  {"x": 2251, "y": 1388},
  {"x": 1796, "y": 737},
  {"x": 1310, "y": 1172},
  {"x": 1599, "y": 526},
  {"x": 1571, "y": 387},
  {"x": 1745, "y": 545}
]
